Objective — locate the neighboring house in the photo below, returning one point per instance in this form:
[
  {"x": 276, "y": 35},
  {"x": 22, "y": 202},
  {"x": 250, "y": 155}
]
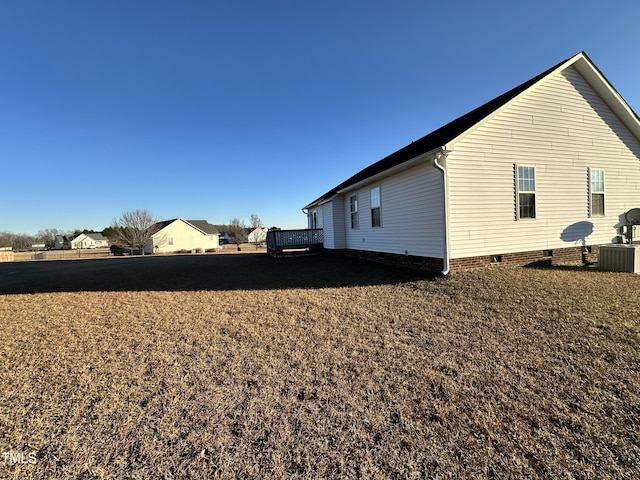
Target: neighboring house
[
  {"x": 60, "y": 242},
  {"x": 179, "y": 235},
  {"x": 544, "y": 172},
  {"x": 87, "y": 240},
  {"x": 257, "y": 236},
  {"x": 225, "y": 238}
]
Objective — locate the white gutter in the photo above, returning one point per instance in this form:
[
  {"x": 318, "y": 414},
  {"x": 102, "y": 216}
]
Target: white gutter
[{"x": 442, "y": 155}]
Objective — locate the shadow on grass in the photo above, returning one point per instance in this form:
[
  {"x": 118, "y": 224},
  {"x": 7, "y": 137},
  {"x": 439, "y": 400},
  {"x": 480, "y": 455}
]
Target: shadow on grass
[{"x": 198, "y": 272}]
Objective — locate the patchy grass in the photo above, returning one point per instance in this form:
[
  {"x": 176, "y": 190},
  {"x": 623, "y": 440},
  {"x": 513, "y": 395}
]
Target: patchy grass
[{"x": 501, "y": 373}]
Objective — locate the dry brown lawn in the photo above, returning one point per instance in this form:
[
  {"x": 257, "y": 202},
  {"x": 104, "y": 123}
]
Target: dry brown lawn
[{"x": 501, "y": 373}]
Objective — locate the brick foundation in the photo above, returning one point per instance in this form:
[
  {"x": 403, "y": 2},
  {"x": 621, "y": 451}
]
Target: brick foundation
[
  {"x": 534, "y": 257},
  {"x": 431, "y": 264}
]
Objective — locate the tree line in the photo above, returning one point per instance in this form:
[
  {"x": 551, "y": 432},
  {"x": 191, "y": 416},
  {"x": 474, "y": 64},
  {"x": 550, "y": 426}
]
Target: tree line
[
  {"x": 46, "y": 237},
  {"x": 133, "y": 229}
]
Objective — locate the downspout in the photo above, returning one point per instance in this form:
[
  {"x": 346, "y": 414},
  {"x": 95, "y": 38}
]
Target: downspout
[{"x": 442, "y": 154}]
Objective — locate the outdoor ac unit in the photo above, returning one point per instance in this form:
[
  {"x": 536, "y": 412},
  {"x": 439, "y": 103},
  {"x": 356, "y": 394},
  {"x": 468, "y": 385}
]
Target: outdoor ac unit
[{"x": 619, "y": 258}]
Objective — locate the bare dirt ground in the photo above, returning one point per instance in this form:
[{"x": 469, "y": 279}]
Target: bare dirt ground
[{"x": 244, "y": 366}]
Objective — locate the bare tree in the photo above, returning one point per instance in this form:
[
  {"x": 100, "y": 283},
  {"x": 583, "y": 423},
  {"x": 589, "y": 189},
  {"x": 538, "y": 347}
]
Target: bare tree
[
  {"x": 257, "y": 237},
  {"x": 255, "y": 221},
  {"x": 7, "y": 239},
  {"x": 237, "y": 230},
  {"x": 134, "y": 229},
  {"x": 48, "y": 236},
  {"x": 17, "y": 241}
]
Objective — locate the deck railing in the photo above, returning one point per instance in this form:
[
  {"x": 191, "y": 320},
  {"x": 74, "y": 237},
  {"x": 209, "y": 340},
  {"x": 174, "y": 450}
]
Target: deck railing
[{"x": 311, "y": 240}]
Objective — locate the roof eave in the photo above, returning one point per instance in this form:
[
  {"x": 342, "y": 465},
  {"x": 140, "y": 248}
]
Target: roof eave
[
  {"x": 319, "y": 201},
  {"x": 540, "y": 79},
  {"x": 193, "y": 226},
  {"x": 390, "y": 171},
  {"x": 596, "y": 79},
  {"x": 447, "y": 135}
]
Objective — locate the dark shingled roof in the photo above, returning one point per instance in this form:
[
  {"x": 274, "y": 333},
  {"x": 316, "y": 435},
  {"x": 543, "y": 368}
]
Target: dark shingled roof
[
  {"x": 203, "y": 225},
  {"x": 160, "y": 225},
  {"x": 438, "y": 137}
]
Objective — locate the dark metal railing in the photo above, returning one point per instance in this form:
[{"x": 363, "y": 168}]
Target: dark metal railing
[{"x": 308, "y": 239}]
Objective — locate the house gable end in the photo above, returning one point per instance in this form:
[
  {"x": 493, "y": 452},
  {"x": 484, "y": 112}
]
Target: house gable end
[
  {"x": 560, "y": 129},
  {"x": 591, "y": 74},
  {"x": 459, "y": 127},
  {"x": 437, "y": 138},
  {"x": 180, "y": 235}
]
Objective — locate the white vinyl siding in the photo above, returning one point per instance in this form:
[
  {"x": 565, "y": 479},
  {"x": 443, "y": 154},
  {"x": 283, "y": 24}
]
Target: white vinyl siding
[
  {"x": 331, "y": 220},
  {"x": 180, "y": 235},
  {"x": 339, "y": 223},
  {"x": 325, "y": 220},
  {"x": 412, "y": 214},
  {"x": 561, "y": 127}
]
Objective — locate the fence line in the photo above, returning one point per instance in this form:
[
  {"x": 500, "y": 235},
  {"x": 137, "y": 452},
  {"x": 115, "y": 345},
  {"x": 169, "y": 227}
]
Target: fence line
[{"x": 62, "y": 254}]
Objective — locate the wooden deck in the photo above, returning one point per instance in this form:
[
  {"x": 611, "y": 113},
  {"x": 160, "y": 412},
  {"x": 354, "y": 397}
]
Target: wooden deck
[{"x": 280, "y": 242}]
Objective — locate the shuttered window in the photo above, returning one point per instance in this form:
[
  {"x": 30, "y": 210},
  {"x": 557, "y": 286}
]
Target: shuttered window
[
  {"x": 526, "y": 197},
  {"x": 596, "y": 186}
]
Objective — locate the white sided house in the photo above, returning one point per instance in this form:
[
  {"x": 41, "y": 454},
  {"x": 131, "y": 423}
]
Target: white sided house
[
  {"x": 86, "y": 240},
  {"x": 258, "y": 235},
  {"x": 544, "y": 172},
  {"x": 180, "y": 235}
]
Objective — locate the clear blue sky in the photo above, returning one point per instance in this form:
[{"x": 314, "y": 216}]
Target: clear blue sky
[{"x": 220, "y": 109}]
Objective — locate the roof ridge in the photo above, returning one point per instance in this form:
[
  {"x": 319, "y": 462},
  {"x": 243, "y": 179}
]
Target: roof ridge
[{"x": 443, "y": 134}]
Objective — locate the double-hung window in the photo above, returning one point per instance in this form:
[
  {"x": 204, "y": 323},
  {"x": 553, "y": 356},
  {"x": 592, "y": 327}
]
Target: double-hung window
[
  {"x": 376, "y": 220},
  {"x": 596, "y": 187},
  {"x": 353, "y": 209},
  {"x": 526, "y": 197}
]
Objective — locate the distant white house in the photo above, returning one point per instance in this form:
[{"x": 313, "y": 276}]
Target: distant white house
[
  {"x": 183, "y": 235},
  {"x": 259, "y": 235},
  {"x": 87, "y": 240},
  {"x": 225, "y": 238}
]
